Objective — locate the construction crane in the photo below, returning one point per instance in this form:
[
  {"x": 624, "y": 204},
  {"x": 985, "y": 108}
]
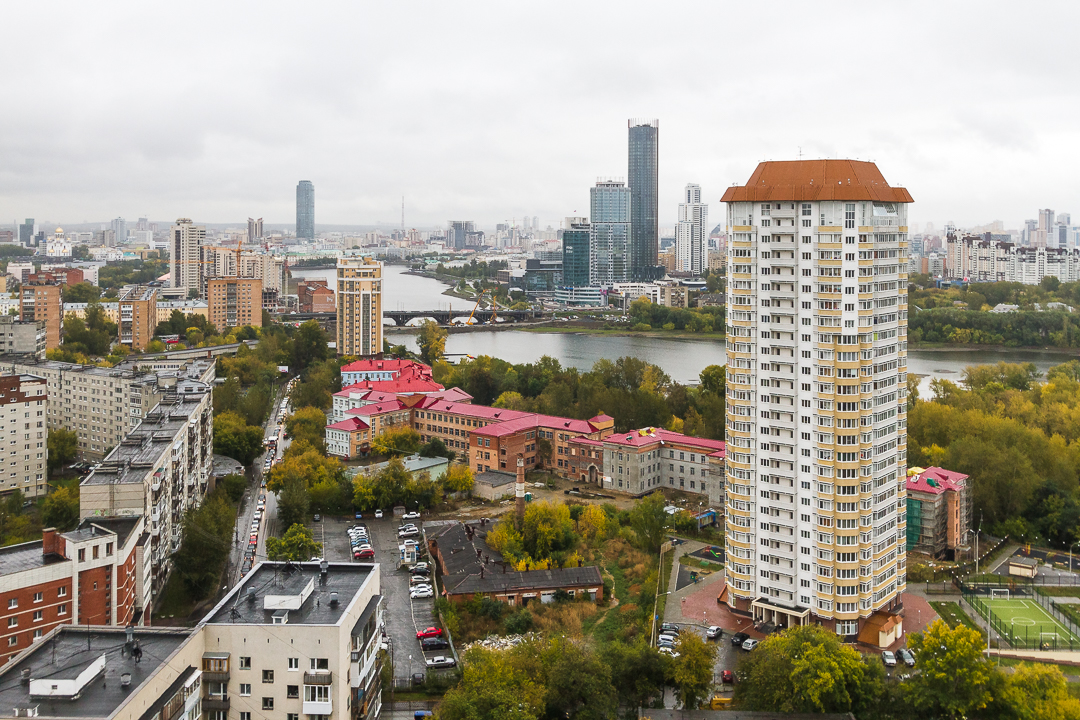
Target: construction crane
[
  {"x": 476, "y": 306},
  {"x": 239, "y": 243}
]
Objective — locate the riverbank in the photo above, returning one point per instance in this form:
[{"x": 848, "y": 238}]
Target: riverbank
[
  {"x": 947, "y": 347},
  {"x": 624, "y": 332}
]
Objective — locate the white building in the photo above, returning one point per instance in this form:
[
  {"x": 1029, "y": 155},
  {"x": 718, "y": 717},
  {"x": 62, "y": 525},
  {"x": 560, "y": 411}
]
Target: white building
[
  {"x": 185, "y": 255},
  {"x": 980, "y": 259},
  {"x": 816, "y": 385},
  {"x": 692, "y": 232},
  {"x": 57, "y": 245}
]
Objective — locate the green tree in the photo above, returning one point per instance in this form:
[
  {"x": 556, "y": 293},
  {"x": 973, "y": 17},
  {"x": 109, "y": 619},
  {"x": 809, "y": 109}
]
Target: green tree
[
  {"x": 234, "y": 438},
  {"x": 435, "y": 447},
  {"x": 63, "y": 447},
  {"x": 806, "y": 669},
  {"x": 457, "y": 478},
  {"x": 207, "y": 534},
  {"x": 647, "y": 519},
  {"x": 693, "y": 669},
  {"x": 543, "y": 452},
  {"x": 953, "y": 677},
  {"x": 318, "y": 385},
  {"x": 293, "y": 503},
  {"x": 492, "y": 688},
  {"x": 234, "y": 486},
  {"x": 297, "y": 544},
  {"x": 83, "y": 292},
  {"x": 310, "y": 345},
  {"x": 432, "y": 342},
  {"x": 60, "y": 509},
  {"x": 400, "y": 441},
  {"x": 637, "y": 671},
  {"x": 512, "y": 400},
  {"x": 576, "y": 681},
  {"x": 308, "y": 424}
]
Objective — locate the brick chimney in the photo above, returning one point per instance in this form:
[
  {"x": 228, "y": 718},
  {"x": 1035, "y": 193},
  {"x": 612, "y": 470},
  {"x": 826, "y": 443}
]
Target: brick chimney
[
  {"x": 519, "y": 492},
  {"x": 52, "y": 543}
]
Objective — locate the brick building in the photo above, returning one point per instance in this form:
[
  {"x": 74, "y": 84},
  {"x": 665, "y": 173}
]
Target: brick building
[
  {"x": 938, "y": 511},
  {"x": 315, "y": 296},
  {"x": 63, "y": 275},
  {"x": 43, "y": 302},
  {"x": 138, "y": 316},
  {"x": 234, "y": 302}
]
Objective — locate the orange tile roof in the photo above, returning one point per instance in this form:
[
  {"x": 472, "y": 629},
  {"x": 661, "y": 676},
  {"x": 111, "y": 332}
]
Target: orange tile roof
[{"x": 815, "y": 180}]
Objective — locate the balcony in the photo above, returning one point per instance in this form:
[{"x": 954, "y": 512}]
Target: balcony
[
  {"x": 314, "y": 707},
  {"x": 222, "y": 677},
  {"x": 324, "y": 677},
  {"x": 217, "y": 702}
]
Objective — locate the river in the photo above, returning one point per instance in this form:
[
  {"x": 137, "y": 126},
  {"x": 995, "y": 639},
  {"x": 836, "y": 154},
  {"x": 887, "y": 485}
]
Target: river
[{"x": 682, "y": 359}]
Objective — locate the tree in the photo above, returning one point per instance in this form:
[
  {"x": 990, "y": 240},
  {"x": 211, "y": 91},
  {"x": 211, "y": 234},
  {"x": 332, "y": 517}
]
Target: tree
[
  {"x": 234, "y": 486},
  {"x": 308, "y": 424},
  {"x": 297, "y": 544},
  {"x": 63, "y": 447},
  {"x": 1035, "y": 691},
  {"x": 83, "y": 292},
  {"x": 492, "y": 688},
  {"x": 647, "y": 518},
  {"x": 576, "y": 681},
  {"x": 593, "y": 524},
  {"x": 457, "y": 478},
  {"x": 953, "y": 676},
  {"x": 432, "y": 342},
  {"x": 60, "y": 509},
  {"x": 293, "y": 503},
  {"x": 310, "y": 345},
  {"x": 806, "y": 669},
  {"x": 435, "y": 447},
  {"x": 234, "y": 438},
  {"x": 543, "y": 452},
  {"x": 512, "y": 400},
  {"x": 401, "y": 441},
  {"x": 155, "y": 346},
  {"x": 637, "y": 671},
  {"x": 693, "y": 669},
  {"x": 206, "y": 539}
]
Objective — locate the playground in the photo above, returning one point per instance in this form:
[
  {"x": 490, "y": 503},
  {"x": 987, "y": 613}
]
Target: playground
[{"x": 1023, "y": 622}]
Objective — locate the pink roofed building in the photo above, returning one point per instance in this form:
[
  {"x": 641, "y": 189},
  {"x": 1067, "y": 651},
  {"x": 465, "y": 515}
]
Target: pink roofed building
[
  {"x": 938, "y": 511},
  {"x": 348, "y": 438},
  {"x": 640, "y": 461},
  {"x": 382, "y": 370}
]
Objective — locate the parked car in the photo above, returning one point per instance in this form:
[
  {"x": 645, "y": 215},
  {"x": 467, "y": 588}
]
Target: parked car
[
  {"x": 410, "y": 542},
  {"x": 670, "y": 628},
  {"x": 378, "y": 513},
  {"x": 419, "y": 580},
  {"x": 318, "y": 517},
  {"x": 421, "y": 591},
  {"x": 749, "y": 644},
  {"x": 429, "y": 632},
  {"x": 906, "y": 656},
  {"x": 420, "y": 568},
  {"x": 665, "y": 644},
  {"x": 434, "y": 643},
  {"x": 739, "y": 638},
  {"x": 727, "y": 677},
  {"x": 366, "y": 554},
  {"x": 411, "y": 516},
  {"x": 441, "y": 661},
  {"x": 714, "y": 631},
  {"x": 888, "y": 658},
  {"x": 667, "y": 638},
  {"x": 411, "y": 532}
]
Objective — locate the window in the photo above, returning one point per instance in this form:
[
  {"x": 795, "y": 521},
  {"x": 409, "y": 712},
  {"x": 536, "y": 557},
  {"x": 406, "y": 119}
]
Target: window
[
  {"x": 292, "y": 691},
  {"x": 245, "y": 689},
  {"x": 317, "y": 693},
  {"x": 13, "y": 640},
  {"x": 38, "y": 616},
  {"x": 292, "y": 716},
  {"x": 38, "y": 597},
  {"x": 13, "y": 603},
  {"x": 245, "y": 663},
  {"x": 245, "y": 716},
  {"x": 13, "y": 622},
  {"x": 294, "y": 663},
  {"x": 268, "y": 703},
  {"x": 61, "y": 609},
  {"x": 320, "y": 664}
]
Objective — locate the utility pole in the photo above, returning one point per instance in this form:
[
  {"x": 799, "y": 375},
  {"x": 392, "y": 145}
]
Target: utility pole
[{"x": 977, "y": 553}]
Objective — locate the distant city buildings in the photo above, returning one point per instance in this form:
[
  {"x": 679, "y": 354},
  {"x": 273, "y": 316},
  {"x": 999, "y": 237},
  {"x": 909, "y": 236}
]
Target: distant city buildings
[
  {"x": 119, "y": 228},
  {"x": 644, "y": 205},
  {"x": 57, "y": 245},
  {"x": 305, "y": 210},
  {"x": 691, "y": 240},
  {"x": 359, "y": 306},
  {"x": 254, "y": 230}
]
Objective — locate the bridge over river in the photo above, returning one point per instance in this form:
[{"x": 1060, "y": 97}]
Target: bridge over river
[{"x": 442, "y": 317}]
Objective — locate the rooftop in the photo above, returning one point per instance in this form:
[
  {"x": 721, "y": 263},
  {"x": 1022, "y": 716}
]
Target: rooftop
[
  {"x": 349, "y": 424},
  {"x": 298, "y": 588},
  {"x": 25, "y": 556},
  {"x": 494, "y": 478},
  {"x": 462, "y": 546},
  {"x": 494, "y": 579},
  {"x": 935, "y": 480},
  {"x": 69, "y": 651},
  {"x": 816, "y": 180},
  {"x": 648, "y": 436}
]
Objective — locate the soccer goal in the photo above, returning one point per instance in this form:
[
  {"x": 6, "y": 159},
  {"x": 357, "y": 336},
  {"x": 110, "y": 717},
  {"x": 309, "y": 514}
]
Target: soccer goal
[{"x": 999, "y": 593}]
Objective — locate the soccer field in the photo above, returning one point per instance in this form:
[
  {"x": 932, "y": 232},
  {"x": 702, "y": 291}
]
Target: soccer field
[{"x": 1026, "y": 622}]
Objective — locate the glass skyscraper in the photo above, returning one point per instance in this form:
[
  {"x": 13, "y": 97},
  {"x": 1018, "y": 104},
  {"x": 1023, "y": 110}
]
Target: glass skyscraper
[
  {"x": 305, "y": 210},
  {"x": 609, "y": 245},
  {"x": 575, "y": 253},
  {"x": 644, "y": 241}
]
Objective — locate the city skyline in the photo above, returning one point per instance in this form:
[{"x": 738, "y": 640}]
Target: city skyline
[{"x": 366, "y": 142}]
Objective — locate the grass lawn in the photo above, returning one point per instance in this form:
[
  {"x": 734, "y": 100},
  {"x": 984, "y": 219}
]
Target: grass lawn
[
  {"x": 954, "y": 615},
  {"x": 1013, "y": 662},
  {"x": 1058, "y": 591},
  {"x": 1028, "y": 621}
]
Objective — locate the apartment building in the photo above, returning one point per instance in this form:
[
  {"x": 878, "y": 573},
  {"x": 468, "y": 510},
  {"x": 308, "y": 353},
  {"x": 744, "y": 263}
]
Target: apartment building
[
  {"x": 22, "y": 338},
  {"x": 640, "y": 461},
  {"x": 816, "y": 385},
  {"x": 290, "y": 640},
  {"x": 185, "y": 255},
  {"x": 187, "y": 307},
  {"x": 359, "y": 306},
  {"x": 25, "y": 452},
  {"x": 221, "y": 262},
  {"x": 981, "y": 258},
  {"x": 43, "y": 303},
  {"x": 315, "y": 296},
  {"x": 234, "y": 302},
  {"x": 102, "y": 405},
  {"x": 938, "y": 511},
  {"x": 158, "y": 471},
  {"x": 138, "y": 315},
  {"x": 90, "y": 576}
]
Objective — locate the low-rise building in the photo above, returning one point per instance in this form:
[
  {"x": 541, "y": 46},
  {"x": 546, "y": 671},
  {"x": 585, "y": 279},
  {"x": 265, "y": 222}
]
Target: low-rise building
[
  {"x": 187, "y": 307},
  {"x": 349, "y": 438},
  {"x": 415, "y": 465},
  {"x": 493, "y": 485},
  {"x": 315, "y": 296},
  {"x": 938, "y": 511},
  {"x": 377, "y": 369}
]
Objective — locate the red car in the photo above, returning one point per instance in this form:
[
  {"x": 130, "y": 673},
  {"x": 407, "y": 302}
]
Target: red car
[
  {"x": 727, "y": 677},
  {"x": 430, "y": 632}
]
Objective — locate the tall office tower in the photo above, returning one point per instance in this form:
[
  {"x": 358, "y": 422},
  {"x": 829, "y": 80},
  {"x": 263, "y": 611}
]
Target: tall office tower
[
  {"x": 41, "y": 302},
  {"x": 185, "y": 255},
  {"x": 817, "y": 384},
  {"x": 575, "y": 252},
  {"x": 137, "y": 307},
  {"x": 119, "y": 228},
  {"x": 645, "y": 232},
  {"x": 536, "y": 224},
  {"x": 255, "y": 230},
  {"x": 26, "y": 232},
  {"x": 1045, "y": 228},
  {"x": 234, "y": 301},
  {"x": 142, "y": 224},
  {"x": 359, "y": 306},
  {"x": 609, "y": 244},
  {"x": 691, "y": 233},
  {"x": 305, "y": 210},
  {"x": 457, "y": 233}
]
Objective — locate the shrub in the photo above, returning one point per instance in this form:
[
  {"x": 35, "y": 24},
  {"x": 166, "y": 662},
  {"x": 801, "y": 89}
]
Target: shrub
[{"x": 518, "y": 623}]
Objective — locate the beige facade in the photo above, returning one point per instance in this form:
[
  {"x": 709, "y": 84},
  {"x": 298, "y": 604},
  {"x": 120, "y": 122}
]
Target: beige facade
[
  {"x": 188, "y": 307},
  {"x": 234, "y": 302},
  {"x": 138, "y": 316},
  {"x": 359, "y": 306},
  {"x": 24, "y": 454}
]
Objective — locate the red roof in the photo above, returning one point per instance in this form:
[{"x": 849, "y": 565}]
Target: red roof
[
  {"x": 391, "y": 365},
  {"x": 400, "y": 385},
  {"x": 935, "y": 480},
  {"x": 814, "y": 180},
  {"x": 349, "y": 424},
  {"x": 482, "y": 412},
  {"x": 648, "y": 436},
  {"x": 377, "y": 408}
]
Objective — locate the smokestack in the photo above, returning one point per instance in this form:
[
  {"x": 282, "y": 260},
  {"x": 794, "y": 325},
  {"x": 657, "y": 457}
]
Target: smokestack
[{"x": 519, "y": 492}]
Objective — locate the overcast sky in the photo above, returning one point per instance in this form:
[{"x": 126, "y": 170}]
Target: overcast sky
[{"x": 491, "y": 111}]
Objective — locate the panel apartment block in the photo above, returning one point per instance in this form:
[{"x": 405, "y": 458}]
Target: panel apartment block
[
  {"x": 234, "y": 302},
  {"x": 138, "y": 316},
  {"x": 816, "y": 386},
  {"x": 24, "y": 454}
]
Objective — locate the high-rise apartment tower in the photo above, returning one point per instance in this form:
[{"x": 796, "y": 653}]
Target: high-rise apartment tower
[
  {"x": 185, "y": 255},
  {"x": 305, "y": 210},
  {"x": 642, "y": 179},
  {"x": 255, "y": 230},
  {"x": 692, "y": 232},
  {"x": 816, "y": 386},
  {"x": 359, "y": 306},
  {"x": 609, "y": 244}
]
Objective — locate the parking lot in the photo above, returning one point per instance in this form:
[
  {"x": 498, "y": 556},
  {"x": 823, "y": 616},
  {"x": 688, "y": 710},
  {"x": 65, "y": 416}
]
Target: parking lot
[{"x": 402, "y": 616}]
